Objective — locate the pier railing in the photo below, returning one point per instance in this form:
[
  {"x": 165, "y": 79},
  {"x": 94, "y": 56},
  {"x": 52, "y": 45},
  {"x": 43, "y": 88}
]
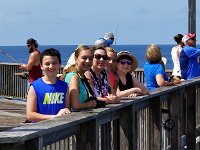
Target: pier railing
[
  {"x": 168, "y": 118},
  {"x": 13, "y": 86}
]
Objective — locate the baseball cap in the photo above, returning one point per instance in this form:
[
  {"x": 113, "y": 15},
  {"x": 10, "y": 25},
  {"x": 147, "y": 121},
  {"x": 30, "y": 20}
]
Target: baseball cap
[
  {"x": 109, "y": 35},
  {"x": 187, "y": 37}
]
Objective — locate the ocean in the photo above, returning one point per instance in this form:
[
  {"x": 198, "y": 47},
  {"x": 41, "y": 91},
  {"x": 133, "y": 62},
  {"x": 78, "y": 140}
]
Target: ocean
[{"x": 20, "y": 53}]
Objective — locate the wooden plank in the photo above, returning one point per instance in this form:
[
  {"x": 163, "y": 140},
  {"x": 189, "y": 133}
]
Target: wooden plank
[
  {"x": 174, "y": 111},
  {"x": 126, "y": 128},
  {"x": 155, "y": 106},
  {"x": 88, "y": 138},
  {"x": 191, "y": 117}
]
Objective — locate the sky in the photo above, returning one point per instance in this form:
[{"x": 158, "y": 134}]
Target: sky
[{"x": 72, "y": 22}]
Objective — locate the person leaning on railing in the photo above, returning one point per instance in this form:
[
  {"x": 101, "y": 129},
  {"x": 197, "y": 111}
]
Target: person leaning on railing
[
  {"x": 154, "y": 69},
  {"x": 128, "y": 85},
  {"x": 48, "y": 96}
]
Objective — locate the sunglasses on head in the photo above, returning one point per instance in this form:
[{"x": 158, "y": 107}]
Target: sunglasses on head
[
  {"x": 99, "y": 56},
  {"x": 123, "y": 62},
  {"x": 28, "y": 45}
]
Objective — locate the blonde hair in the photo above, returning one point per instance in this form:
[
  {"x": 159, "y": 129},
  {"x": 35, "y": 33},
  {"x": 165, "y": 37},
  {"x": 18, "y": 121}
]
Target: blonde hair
[
  {"x": 153, "y": 53},
  {"x": 109, "y": 49}
]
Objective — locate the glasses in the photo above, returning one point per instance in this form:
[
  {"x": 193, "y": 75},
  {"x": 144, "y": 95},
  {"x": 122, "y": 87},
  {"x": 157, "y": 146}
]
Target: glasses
[
  {"x": 99, "y": 56},
  {"x": 28, "y": 45},
  {"x": 123, "y": 62}
]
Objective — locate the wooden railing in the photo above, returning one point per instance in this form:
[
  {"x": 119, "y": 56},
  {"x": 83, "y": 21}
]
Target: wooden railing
[
  {"x": 13, "y": 86},
  {"x": 134, "y": 124}
]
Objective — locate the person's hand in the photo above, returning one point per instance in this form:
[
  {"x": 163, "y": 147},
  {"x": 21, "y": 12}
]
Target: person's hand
[
  {"x": 92, "y": 104},
  {"x": 63, "y": 112},
  {"x": 135, "y": 94},
  {"x": 112, "y": 99}
]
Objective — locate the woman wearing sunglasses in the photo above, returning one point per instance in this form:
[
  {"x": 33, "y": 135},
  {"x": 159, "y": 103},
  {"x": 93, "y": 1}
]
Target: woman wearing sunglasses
[
  {"x": 98, "y": 78},
  {"x": 128, "y": 85}
]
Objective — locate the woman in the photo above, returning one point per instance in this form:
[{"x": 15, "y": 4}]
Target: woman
[
  {"x": 128, "y": 85},
  {"x": 155, "y": 75},
  {"x": 79, "y": 88},
  {"x": 98, "y": 77},
  {"x": 111, "y": 66}
]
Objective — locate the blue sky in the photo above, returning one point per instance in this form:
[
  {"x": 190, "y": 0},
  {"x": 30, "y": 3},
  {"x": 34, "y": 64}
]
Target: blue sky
[{"x": 69, "y": 22}]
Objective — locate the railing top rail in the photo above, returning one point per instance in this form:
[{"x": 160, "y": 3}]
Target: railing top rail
[{"x": 29, "y": 131}]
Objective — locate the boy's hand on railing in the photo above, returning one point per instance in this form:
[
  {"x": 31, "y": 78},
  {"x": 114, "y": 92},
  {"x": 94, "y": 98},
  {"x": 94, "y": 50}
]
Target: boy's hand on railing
[{"x": 63, "y": 112}]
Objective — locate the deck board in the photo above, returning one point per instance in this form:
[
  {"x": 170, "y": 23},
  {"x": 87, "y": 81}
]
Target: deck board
[{"x": 12, "y": 113}]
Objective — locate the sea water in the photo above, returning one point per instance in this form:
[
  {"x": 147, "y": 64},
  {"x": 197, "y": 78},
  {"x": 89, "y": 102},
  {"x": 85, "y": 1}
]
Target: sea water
[{"x": 20, "y": 53}]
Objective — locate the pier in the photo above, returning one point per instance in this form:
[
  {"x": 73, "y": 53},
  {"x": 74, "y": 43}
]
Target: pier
[{"x": 168, "y": 118}]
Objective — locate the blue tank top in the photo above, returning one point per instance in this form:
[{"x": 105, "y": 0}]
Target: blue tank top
[{"x": 50, "y": 97}]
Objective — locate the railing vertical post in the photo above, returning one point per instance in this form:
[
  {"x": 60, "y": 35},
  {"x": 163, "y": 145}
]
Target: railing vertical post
[
  {"x": 191, "y": 116},
  {"x": 126, "y": 128},
  {"x": 34, "y": 144},
  {"x": 156, "y": 127},
  {"x": 174, "y": 110},
  {"x": 88, "y": 138}
]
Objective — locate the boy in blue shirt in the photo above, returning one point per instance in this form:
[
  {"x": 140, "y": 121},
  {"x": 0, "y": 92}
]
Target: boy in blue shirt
[{"x": 48, "y": 96}]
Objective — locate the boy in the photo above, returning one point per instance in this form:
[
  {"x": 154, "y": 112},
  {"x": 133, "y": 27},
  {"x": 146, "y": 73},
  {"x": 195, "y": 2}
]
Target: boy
[{"x": 48, "y": 96}]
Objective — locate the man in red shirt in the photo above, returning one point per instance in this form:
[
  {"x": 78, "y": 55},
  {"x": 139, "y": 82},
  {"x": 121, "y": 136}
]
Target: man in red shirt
[{"x": 33, "y": 66}]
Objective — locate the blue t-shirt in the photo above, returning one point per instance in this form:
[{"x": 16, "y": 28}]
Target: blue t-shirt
[
  {"x": 50, "y": 97},
  {"x": 83, "y": 95},
  {"x": 150, "y": 72},
  {"x": 188, "y": 62}
]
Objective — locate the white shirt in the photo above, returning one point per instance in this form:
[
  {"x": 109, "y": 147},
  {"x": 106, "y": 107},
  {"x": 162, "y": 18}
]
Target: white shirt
[{"x": 175, "y": 58}]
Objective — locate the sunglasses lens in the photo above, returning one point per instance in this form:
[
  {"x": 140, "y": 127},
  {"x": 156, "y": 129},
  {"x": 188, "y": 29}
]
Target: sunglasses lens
[
  {"x": 123, "y": 62},
  {"x": 129, "y": 62},
  {"x": 101, "y": 56},
  {"x": 28, "y": 45}
]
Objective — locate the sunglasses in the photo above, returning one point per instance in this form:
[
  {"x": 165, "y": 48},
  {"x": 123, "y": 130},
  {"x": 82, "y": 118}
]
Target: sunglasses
[
  {"x": 99, "y": 56},
  {"x": 28, "y": 45},
  {"x": 123, "y": 62}
]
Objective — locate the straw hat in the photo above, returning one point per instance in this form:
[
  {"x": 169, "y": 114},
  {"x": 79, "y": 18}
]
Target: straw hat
[{"x": 125, "y": 54}]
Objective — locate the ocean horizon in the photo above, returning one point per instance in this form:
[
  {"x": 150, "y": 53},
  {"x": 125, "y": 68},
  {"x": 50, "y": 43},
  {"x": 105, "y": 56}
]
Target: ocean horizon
[{"x": 20, "y": 53}]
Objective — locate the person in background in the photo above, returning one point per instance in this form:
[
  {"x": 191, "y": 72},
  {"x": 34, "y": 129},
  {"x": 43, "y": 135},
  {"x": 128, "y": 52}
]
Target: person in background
[
  {"x": 111, "y": 67},
  {"x": 33, "y": 66},
  {"x": 109, "y": 37},
  {"x": 107, "y": 40},
  {"x": 128, "y": 85},
  {"x": 154, "y": 72},
  {"x": 189, "y": 64},
  {"x": 48, "y": 96},
  {"x": 70, "y": 66},
  {"x": 98, "y": 78},
  {"x": 80, "y": 91},
  {"x": 175, "y": 53}
]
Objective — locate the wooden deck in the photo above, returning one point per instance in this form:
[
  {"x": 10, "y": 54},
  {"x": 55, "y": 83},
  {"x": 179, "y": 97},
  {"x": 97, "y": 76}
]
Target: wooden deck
[{"x": 12, "y": 113}]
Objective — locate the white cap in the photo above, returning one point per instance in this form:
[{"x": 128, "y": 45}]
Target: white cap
[
  {"x": 71, "y": 61},
  {"x": 109, "y": 35}
]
